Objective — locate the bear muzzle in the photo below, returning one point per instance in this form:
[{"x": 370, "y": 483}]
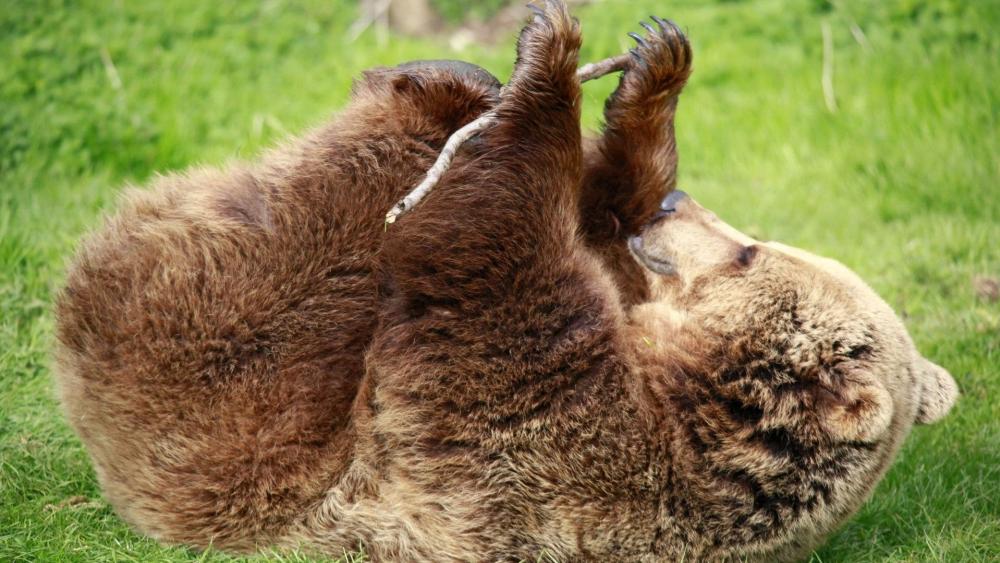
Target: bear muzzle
[{"x": 668, "y": 208}]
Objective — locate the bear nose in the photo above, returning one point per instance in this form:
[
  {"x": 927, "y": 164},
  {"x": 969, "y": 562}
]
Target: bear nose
[
  {"x": 669, "y": 205},
  {"x": 460, "y": 68}
]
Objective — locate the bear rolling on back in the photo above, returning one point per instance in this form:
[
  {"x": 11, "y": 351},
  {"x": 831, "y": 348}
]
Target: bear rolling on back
[{"x": 542, "y": 358}]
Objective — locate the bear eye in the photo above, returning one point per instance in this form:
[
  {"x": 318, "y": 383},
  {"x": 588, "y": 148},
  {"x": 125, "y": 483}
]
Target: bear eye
[{"x": 746, "y": 255}]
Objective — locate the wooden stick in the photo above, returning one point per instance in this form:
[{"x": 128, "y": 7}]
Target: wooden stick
[
  {"x": 443, "y": 162},
  {"x": 829, "y": 96},
  {"x": 591, "y": 71},
  {"x": 441, "y": 165}
]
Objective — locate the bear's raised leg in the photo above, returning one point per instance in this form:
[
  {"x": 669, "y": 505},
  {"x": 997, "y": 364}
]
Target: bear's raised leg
[
  {"x": 497, "y": 354},
  {"x": 494, "y": 316},
  {"x": 509, "y": 198},
  {"x": 633, "y": 166},
  {"x": 498, "y": 374}
]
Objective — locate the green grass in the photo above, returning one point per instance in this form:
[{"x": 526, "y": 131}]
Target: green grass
[{"x": 901, "y": 184}]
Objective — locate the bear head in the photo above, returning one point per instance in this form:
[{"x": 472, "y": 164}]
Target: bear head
[{"x": 790, "y": 320}]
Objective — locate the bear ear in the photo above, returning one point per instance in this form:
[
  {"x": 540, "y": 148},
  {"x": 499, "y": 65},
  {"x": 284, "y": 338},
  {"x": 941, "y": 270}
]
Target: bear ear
[
  {"x": 938, "y": 392},
  {"x": 859, "y": 411},
  {"x": 409, "y": 82},
  {"x": 379, "y": 78}
]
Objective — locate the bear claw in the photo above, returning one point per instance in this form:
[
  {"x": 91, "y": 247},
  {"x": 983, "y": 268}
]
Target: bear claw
[
  {"x": 663, "y": 60},
  {"x": 638, "y": 38},
  {"x": 539, "y": 16}
]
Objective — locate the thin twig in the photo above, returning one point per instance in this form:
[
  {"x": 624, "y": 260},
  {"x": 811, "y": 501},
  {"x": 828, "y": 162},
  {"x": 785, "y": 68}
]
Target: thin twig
[
  {"x": 375, "y": 12},
  {"x": 856, "y": 31},
  {"x": 443, "y": 162},
  {"x": 860, "y": 37},
  {"x": 829, "y": 96},
  {"x": 591, "y": 71},
  {"x": 110, "y": 69},
  {"x": 441, "y": 165}
]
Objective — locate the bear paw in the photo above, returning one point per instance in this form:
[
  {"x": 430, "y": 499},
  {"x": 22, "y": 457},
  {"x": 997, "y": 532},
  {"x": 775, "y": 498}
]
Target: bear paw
[
  {"x": 547, "y": 49},
  {"x": 661, "y": 63}
]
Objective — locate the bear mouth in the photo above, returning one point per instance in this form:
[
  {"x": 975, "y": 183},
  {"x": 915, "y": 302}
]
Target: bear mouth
[{"x": 652, "y": 263}]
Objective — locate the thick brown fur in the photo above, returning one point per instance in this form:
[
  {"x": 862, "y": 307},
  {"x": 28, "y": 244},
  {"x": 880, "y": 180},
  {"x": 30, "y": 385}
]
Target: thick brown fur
[{"x": 252, "y": 359}]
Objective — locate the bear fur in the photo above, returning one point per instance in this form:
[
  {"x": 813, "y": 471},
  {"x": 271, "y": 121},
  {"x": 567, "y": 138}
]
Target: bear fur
[{"x": 538, "y": 359}]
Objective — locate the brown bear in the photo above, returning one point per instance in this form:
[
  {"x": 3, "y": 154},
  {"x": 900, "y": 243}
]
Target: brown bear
[{"x": 541, "y": 358}]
